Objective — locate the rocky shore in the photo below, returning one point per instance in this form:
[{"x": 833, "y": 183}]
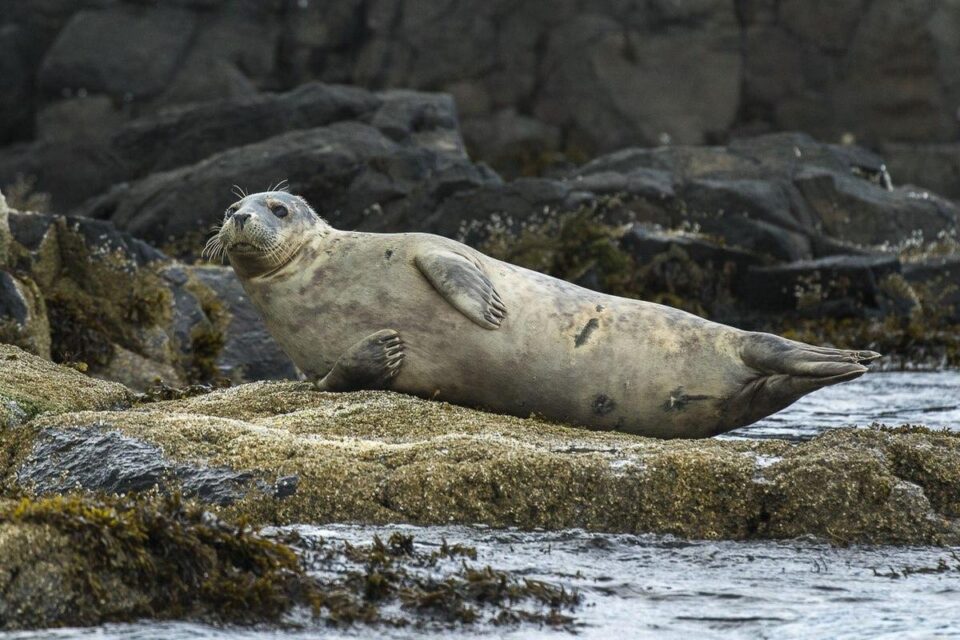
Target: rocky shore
[
  {"x": 278, "y": 453},
  {"x": 152, "y": 433}
]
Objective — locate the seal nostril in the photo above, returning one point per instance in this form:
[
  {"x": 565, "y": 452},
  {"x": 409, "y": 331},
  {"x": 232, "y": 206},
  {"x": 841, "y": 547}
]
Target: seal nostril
[{"x": 240, "y": 219}]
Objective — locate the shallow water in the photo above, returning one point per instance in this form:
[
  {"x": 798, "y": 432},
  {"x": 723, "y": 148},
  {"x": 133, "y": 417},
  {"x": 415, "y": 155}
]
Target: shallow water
[
  {"x": 891, "y": 398},
  {"x": 658, "y": 586}
]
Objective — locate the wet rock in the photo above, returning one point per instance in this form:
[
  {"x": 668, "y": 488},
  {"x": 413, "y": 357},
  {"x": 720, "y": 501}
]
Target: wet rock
[
  {"x": 100, "y": 460},
  {"x": 86, "y": 561},
  {"x": 836, "y": 286}
]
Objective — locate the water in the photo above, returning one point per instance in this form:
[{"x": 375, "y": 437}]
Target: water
[
  {"x": 662, "y": 587},
  {"x": 892, "y": 398}
]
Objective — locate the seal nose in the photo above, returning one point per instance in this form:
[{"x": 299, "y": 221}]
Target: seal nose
[{"x": 240, "y": 219}]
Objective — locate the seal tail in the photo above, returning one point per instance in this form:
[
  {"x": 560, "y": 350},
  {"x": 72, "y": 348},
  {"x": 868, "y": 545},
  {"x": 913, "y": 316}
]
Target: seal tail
[{"x": 787, "y": 370}]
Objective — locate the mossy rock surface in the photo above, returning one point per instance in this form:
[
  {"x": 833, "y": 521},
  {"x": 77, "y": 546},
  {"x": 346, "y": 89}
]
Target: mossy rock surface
[
  {"x": 381, "y": 457},
  {"x": 30, "y": 386}
]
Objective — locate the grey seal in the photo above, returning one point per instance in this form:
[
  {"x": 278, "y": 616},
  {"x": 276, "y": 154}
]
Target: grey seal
[{"x": 429, "y": 316}]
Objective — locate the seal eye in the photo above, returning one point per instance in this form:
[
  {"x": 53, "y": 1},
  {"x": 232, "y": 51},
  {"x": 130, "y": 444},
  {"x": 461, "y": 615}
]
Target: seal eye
[
  {"x": 229, "y": 212},
  {"x": 278, "y": 210}
]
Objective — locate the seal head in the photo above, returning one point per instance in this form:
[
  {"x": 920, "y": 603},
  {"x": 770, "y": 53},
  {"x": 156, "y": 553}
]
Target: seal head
[{"x": 262, "y": 232}]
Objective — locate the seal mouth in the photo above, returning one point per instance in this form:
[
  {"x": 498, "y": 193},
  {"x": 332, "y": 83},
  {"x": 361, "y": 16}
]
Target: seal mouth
[{"x": 244, "y": 247}]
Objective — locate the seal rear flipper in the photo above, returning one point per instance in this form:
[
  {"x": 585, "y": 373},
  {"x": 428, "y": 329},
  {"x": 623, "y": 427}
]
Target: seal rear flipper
[
  {"x": 462, "y": 282},
  {"x": 786, "y": 370},
  {"x": 371, "y": 363}
]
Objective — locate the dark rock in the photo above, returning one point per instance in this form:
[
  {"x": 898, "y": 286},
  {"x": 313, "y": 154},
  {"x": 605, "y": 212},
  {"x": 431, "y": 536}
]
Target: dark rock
[
  {"x": 125, "y": 52},
  {"x": 249, "y": 353},
  {"x": 13, "y": 304},
  {"x": 857, "y": 211},
  {"x": 356, "y": 175},
  {"x": 286, "y": 486},
  {"x": 931, "y": 166},
  {"x": 97, "y": 459},
  {"x": 469, "y": 213},
  {"x": 16, "y": 90},
  {"x": 785, "y": 195},
  {"x": 939, "y": 278},
  {"x": 836, "y": 286}
]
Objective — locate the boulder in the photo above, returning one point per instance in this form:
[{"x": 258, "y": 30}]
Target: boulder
[
  {"x": 836, "y": 286},
  {"x": 379, "y": 457},
  {"x": 934, "y": 167},
  {"x": 249, "y": 352},
  {"x": 126, "y": 52},
  {"x": 357, "y": 177},
  {"x": 30, "y": 386},
  {"x": 785, "y": 195},
  {"x": 939, "y": 280}
]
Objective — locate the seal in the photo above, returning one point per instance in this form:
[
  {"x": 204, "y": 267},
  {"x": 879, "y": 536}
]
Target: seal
[{"x": 428, "y": 316}]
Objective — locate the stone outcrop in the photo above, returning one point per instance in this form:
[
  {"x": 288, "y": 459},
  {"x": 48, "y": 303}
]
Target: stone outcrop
[
  {"x": 558, "y": 76},
  {"x": 381, "y": 457},
  {"x": 78, "y": 291}
]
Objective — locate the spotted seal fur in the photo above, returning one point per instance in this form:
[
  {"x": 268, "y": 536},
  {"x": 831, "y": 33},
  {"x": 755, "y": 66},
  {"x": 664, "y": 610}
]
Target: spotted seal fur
[{"x": 425, "y": 315}]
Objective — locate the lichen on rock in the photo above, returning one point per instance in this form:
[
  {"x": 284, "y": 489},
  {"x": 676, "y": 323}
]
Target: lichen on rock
[
  {"x": 288, "y": 454},
  {"x": 30, "y": 386}
]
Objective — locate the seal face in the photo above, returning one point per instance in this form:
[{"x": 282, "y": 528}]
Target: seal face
[{"x": 426, "y": 315}]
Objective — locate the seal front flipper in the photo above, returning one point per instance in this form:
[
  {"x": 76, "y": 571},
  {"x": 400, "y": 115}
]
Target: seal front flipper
[
  {"x": 462, "y": 283},
  {"x": 369, "y": 364}
]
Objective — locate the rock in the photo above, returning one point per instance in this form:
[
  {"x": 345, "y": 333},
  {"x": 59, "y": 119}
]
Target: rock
[
  {"x": 23, "y": 318},
  {"x": 100, "y": 460},
  {"x": 16, "y": 96},
  {"x": 86, "y": 561},
  {"x": 249, "y": 353},
  {"x": 358, "y": 176},
  {"x": 939, "y": 279},
  {"x": 72, "y": 171},
  {"x": 128, "y": 53},
  {"x": 836, "y": 286},
  {"x": 378, "y": 457},
  {"x": 4, "y": 229},
  {"x": 621, "y": 81},
  {"x": 30, "y": 386},
  {"x": 785, "y": 195},
  {"x": 857, "y": 211},
  {"x": 513, "y": 143},
  {"x": 935, "y": 167}
]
